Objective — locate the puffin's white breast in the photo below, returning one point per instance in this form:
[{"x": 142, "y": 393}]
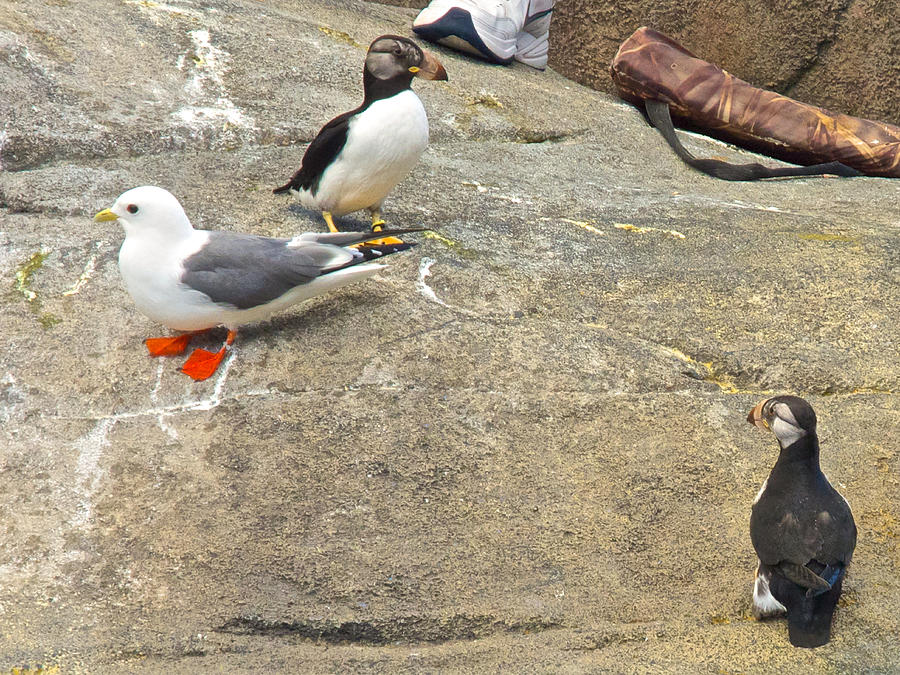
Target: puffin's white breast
[{"x": 384, "y": 142}]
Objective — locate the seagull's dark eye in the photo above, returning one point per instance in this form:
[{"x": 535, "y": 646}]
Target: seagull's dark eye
[{"x": 131, "y": 208}]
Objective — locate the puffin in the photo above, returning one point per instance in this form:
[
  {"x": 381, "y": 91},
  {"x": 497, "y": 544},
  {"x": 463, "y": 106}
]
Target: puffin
[
  {"x": 358, "y": 157},
  {"x": 802, "y": 529},
  {"x": 194, "y": 280}
]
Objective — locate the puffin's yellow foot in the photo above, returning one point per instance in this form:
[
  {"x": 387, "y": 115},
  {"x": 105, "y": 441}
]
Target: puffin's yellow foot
[
  {"x": 329, "y": 221},
  {"x": 377, "y": 220},
  {"x": 377, "y": 226}
]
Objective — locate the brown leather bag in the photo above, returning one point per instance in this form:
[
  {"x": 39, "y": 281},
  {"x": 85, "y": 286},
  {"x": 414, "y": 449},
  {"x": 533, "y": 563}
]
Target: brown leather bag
[{"x": 652, "y": 70}]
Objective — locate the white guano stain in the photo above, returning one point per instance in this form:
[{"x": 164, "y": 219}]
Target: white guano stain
[
  {"x": 4, "y": 135},
  {"x": 154, "y": 398},
  {"x": 86, "y": 274},
  {"x": 152, "y": 7},
  {"x": 733, "y": 204},
  {"x": 210, "y": 102},
  {"x": 422, "y": 287},
  {"x": 13, "y": 395},
  {"x": 88, "y": 471},
  {"x": 493, "y": 191}
]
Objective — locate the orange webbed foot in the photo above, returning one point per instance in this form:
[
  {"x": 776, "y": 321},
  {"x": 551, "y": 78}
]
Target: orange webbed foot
[
  {"x": 168, "y": 346},
  {"x": 202, "y": 363}
]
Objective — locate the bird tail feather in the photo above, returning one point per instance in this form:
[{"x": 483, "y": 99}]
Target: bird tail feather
[
  {"x": 808, "y": 616},
  {"x": 809, "y": 619}
]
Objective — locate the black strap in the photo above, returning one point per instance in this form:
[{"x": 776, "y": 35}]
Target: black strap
[{"x": 659, "y": 115}]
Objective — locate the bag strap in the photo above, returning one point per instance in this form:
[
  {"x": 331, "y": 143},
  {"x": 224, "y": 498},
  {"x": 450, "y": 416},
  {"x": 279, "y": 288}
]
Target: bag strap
[{"x": 660, "y": 117}]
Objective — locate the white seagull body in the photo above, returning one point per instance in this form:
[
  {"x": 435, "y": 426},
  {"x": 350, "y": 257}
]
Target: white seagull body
[
  {"x": 193, "y": 280},
  {"x": 154, "y": 270}
]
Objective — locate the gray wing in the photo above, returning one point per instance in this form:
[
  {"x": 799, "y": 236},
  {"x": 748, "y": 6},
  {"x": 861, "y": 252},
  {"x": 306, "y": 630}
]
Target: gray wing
[{"x": 247, "y": 271}]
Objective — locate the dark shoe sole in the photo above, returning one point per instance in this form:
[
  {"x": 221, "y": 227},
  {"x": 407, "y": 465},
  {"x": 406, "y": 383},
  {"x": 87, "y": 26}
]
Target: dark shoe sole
[{"x": 456, "y": 25}]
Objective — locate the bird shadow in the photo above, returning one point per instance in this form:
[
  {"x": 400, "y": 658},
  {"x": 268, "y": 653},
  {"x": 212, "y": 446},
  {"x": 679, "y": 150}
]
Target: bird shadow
[
  {"x": 343, "y": 223},
  {"x": 309, "y": 320}
]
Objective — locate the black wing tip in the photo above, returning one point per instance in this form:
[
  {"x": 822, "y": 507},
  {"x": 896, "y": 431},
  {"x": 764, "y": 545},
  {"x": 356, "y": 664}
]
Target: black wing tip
[
  {"x": 397, "y": 232},
  {"x": 387, "y": 249},
  {"x": 287, "y": 187},
  {"x": 373, "y": 252}
]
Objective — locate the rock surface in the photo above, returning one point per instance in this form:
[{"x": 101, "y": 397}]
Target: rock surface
[{"x": 522, "y": 446}]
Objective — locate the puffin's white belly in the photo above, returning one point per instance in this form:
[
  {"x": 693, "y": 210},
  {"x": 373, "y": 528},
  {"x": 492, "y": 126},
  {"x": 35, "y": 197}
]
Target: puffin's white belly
[{"x": 384, "y": 142}]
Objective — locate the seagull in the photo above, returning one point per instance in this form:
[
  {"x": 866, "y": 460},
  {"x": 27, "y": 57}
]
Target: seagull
[
  {"x": 358, "y": 157},
  {"x": 194, "y": 280}
]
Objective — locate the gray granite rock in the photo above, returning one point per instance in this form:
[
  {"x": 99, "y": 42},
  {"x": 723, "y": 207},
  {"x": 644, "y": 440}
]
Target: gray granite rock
[{"x": 522, "y": 446}]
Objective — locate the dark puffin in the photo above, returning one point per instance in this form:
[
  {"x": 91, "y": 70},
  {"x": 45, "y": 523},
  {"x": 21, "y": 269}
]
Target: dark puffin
[
  {"x": 358, "y": 157},
  {"x": 801, "y": 527}
]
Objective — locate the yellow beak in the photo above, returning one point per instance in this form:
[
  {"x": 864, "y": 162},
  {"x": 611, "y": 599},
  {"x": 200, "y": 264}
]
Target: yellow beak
[{"x": 104, "y": 216}]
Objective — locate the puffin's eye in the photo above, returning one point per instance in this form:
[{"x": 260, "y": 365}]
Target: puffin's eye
[
  {"x": 398, "y": 50},
  {"x": 131, "y": 208}
]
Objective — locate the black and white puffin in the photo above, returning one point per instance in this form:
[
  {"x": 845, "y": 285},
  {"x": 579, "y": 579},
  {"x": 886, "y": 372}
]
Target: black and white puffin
[
  {"x": 358, "y": 157},
  {"x": 801, "y": 527}
]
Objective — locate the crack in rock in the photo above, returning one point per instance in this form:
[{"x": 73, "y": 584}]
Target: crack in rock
[
  {"x": 409, "y": 629},
  {"x": 743, "y": 380},
  {"x": 822, "y": 48}
]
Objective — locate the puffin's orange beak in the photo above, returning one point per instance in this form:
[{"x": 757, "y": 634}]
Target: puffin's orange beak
[
  {"x": 431, "y": 68},
  {"x": 756, "y": 416}
]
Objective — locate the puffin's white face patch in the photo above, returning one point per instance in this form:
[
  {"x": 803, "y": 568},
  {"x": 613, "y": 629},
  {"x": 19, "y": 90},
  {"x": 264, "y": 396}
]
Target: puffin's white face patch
[
  {"x": 785, "y": 432},
  {"x": 784, "y": 411}
]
